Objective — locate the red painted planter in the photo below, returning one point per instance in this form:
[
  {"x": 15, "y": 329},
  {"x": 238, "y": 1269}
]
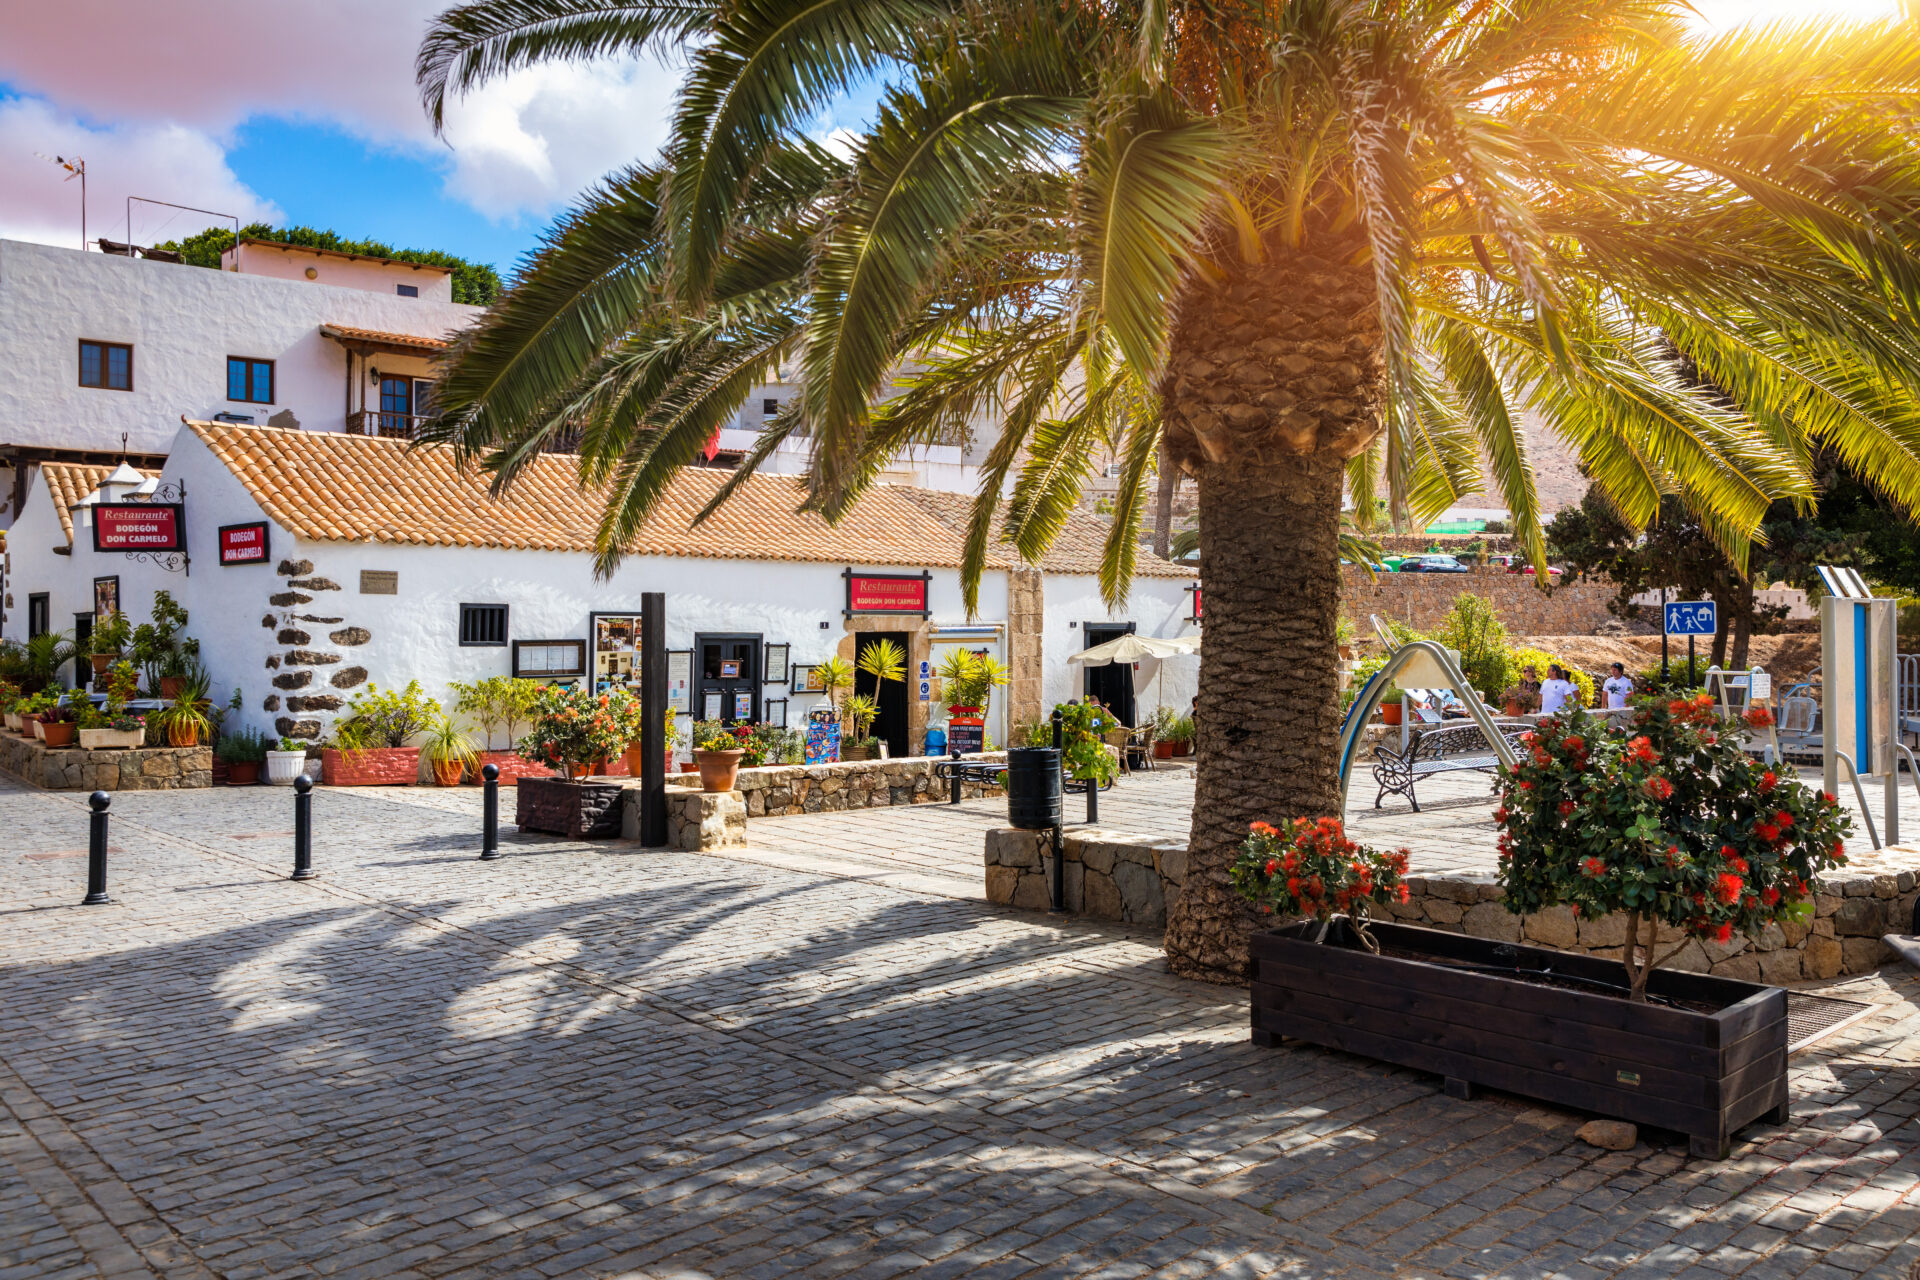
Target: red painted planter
[
  {"x": 243, "y": 775},
  {"x": 378, "y": 767},
  {"x": 512, "y": 768}
]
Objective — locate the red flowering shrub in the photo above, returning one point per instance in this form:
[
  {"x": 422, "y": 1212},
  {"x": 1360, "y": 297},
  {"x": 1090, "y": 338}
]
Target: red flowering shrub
[
  {"x": 1668, "y": 821},
  {"x": 1313, "y": 870}
]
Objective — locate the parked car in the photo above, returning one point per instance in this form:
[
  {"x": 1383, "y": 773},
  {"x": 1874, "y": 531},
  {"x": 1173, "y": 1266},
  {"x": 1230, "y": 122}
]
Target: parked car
[{"x": 1433, "y": 564}]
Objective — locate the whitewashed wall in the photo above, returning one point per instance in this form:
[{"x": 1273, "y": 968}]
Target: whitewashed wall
[
  {"x": 1156, "y": 607},
  {"x": 183, "y": 323}
]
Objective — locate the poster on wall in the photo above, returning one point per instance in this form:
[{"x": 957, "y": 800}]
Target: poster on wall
[
  {"x": 806, "y": 679},
  {"x": 106, "y": 596},
  {"x": 742, "y": 705},
  {"x": 680, "y": 680},
  {"x": 711, "y": 710},
  {"x": 777, "y": 663},
  {"x": 775, "y": 712},
  {"x": 616, "y": 651},
  {"x": 729, "y": 668},
  {"x": 244, "y": 543}
]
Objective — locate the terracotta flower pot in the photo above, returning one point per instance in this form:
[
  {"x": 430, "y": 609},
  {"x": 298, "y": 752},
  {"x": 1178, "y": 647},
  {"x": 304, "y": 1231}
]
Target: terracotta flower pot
[
  {"x": 182, "y": 735},
  {"x": 1390, "y": 712},
  {"x": 1515, "y": 709},
  {"x": 374, "y": 767},
  {"x": 102, "y": 663},
  {"x": 243, "y": 773},
  {"x": 689, "y": 767},
  {"x": 1162, "y": 750},
  {"x": 718, "y": 769},
  {"x": 447, "y": 773},
  {"x": 59, "y": 735},
  {"x": 170, "y": 686}
]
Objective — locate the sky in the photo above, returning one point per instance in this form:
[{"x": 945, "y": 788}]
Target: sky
[{"x": 304, "y": 111}]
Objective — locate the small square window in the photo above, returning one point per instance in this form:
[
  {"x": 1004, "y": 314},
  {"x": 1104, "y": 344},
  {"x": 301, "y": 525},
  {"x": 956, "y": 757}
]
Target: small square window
[
  {"x": 483, "y": 624},
  {"x": 407, "y": 290},
  {"x": 107, "y": 365},
  {"x": 249, "y": 381},
  {"x": 770, "y": 407}
]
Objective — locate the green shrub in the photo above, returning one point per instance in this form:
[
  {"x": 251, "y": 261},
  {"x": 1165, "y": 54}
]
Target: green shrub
[
  {"x": 385, "y": 718},
  {"x": 1474, "y": 629},
  {"x": 246, "y": 746},
  {"x": 1541, "y": 659}
]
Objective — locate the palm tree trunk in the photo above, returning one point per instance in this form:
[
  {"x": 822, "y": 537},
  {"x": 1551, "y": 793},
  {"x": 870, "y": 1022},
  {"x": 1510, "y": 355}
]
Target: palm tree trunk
[
  {"x": 1268, "y": 722},
  {"x": 1163, "y": 507},
  {"x": 1274, "y": 379}
]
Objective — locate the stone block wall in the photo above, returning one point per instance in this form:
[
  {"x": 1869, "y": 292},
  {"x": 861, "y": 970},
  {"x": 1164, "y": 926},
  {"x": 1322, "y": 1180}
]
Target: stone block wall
[
  {"x": 129, "y": 769},
  {"x": 1421, "y": 600},
  {"x": 854, "y": 784},
  {"x": 1110, "y": 875},
  {"x": 1114, "y": 875},
  {"x": 695, "y": 819}
]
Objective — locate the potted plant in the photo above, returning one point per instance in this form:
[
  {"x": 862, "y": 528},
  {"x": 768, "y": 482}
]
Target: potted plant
[
  {"x": 184, "y": 720},
  {"x": 1662, "y": 822},
  {"x": 1519, "y": 700},
  {"x": 493, "y": 704},
  {"x": 286, "y": 762},
  {"x": 859, "y": 713},
  {"x": 1084, "y": 753},
  {"x": 58, "y": 726},
  {"x": 160, "y": 649},
  {"x": 110, "y": 636},
  {"x": 571, "y": 729},
  {"x": 449, "y": 753},
  {"x": 35, "y": 706},
  {"x": 1390, "y": 704},
  {"x": 370, "y": 740},
  {"x": 886, "y": 662},
  {"x": 1180, "y": 734},
  {"x": 244, "y": 751},
  {"x": 717, "y": 752},
  {"x": 110, "y": 726},
  {"x": 41, "y": 658}
]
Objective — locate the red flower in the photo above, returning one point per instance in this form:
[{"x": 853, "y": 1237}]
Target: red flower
[
  {"x": 1594, "y": 867},
  {"x": 1500, "y": 814},
  {"x": 1768, "y": 781},
  {"x": 1783, "y": 819},
  {"x": 1770, "y": 895},
  {"x": 1767, "y": 832},
  {"x": 1575, "y": 743},
  {"x": 1724, "y": 933},
  {"x": 1526, "y": 786},
  {"x": 1293, "y": 886},
  {"x": 1759, "y": 718},
  {"x": 1566, "y": 808},
  {"x": 1273, "y": 865},
  {"x": 1641, "y": 751},
  {"x": 1727, "y": 888},
  {"x": 1402, "y": 893},
  {"x": 1738, "y": 864},
  {"x": 1660, "y": 787}
]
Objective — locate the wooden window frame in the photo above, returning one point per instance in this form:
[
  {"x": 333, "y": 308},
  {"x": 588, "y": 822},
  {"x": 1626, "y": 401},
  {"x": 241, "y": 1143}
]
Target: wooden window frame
[
  {"x": 273, "y": 380},
  {"x": 80, "y": 372}
]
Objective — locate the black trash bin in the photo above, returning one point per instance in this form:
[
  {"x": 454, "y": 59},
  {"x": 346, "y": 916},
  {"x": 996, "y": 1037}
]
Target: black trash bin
[{"x": 1033, "y": 788}]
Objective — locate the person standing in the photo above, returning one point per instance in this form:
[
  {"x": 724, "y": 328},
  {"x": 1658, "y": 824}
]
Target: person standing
[
  {"x": 1557, "y": 691},
  {"x": 1618, "y": 688}
]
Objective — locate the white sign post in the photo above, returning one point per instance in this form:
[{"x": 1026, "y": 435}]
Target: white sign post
[{"x": 1859, "y": 642}]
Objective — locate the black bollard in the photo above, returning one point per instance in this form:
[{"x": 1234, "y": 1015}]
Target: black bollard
[
  {"x": 489, "y": 812},
  {"x": 953, "y": 785},
  {"x": 1057, "y": 881},
  {"x": 303, "y": 828},
  {"x": 97, "y": 850},
  {"x": 1093, "y": 800}
]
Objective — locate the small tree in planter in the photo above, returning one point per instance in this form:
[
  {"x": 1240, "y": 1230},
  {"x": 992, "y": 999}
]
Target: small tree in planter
[
  {"x": 244, "y": 752},
  {"x": 1668, "y": 821},
  {"x": 370, "y": 740},
  {"x": 1311, "y": 870},
  {"x": 572, "y": 728},
  {"x": 110, "y": 637}
]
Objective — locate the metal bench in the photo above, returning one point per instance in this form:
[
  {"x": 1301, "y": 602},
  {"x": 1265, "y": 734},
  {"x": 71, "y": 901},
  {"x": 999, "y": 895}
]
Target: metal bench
[
  {"x": 955, "y": 771},
  {"x": 1456, "y": 748}
]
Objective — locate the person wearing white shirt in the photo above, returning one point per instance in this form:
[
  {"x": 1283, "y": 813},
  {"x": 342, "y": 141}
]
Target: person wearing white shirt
[
  {"x": 1617, "y": 688},
  {"x": 1557, "y": 691}
]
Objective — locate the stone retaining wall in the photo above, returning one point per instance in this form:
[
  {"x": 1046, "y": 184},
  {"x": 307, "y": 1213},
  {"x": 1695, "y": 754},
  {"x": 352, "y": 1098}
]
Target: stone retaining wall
[
  {"x": 854, "y": 784},
  {"x": 1421, "y": 600},
  {"x": 1114, "y": 875},
  {"x": 126, "y": 769}
]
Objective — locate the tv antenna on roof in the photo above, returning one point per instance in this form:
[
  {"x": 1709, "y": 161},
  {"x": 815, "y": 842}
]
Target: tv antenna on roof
[{"x": 76, "y": 168}]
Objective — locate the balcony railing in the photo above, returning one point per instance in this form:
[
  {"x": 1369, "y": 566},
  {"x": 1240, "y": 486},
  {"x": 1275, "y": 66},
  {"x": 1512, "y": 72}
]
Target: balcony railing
[{"x": 403, "y": 426}]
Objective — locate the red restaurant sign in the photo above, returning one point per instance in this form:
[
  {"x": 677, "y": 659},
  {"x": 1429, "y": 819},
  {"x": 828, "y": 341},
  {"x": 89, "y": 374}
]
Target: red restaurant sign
[
  {"x": 244, "y": 543},
  {"x": 137, "y": 526},
  {"x": 886, "y": 593},
  {"x": 1197, "y": 615}
]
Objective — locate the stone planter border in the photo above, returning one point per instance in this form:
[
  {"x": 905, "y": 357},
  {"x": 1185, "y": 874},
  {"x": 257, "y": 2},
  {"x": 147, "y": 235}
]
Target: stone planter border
[
  {"x": 117, "y": 769},
  {"x": 775, "y": 790}
]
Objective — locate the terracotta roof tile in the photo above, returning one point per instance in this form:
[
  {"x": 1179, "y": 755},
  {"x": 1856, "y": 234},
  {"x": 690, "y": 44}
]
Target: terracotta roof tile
[
  {"x": 1076, "y": 549},
  {"x": 69, "y": 482},
  {"x": 332, "y": 487},
  {"x": 413, "y": 341}
]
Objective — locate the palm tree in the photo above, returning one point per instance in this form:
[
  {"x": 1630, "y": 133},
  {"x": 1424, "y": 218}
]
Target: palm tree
[{"x": 1311, "y": 248}]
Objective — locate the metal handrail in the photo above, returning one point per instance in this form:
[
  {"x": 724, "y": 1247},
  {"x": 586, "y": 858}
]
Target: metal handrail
[{"x": 1860, "y": 794}]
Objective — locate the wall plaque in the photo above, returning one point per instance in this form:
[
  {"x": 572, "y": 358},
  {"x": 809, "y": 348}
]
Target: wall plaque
[{"x": 379, "y": 582}]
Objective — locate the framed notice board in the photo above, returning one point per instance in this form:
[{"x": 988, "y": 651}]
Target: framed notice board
[
  {"x": 615, "y": 640},
  {"x": 549, "y": 659}
]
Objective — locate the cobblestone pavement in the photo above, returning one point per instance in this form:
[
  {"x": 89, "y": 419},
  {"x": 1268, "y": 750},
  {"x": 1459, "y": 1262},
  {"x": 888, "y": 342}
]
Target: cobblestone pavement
[{"x": 598, "y": 1062}]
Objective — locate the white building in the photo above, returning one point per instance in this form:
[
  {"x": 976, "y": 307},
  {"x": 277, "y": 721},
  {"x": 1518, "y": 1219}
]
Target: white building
[{"x": 386, "y": 565}]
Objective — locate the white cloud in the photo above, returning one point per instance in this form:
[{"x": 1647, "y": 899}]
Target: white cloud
[
  {"x": 521, "y": 145},
  {"x": 159, "y": 161}
]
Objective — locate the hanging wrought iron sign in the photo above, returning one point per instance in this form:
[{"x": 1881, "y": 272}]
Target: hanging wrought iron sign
[
  {"x": 887, "y": 593},
  {"x": 146, "y": 532}
]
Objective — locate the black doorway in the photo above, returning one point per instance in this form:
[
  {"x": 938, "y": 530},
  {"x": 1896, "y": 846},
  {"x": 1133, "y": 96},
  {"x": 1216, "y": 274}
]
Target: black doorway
[
  {"x": 891, "y": 724},
  {"x": 82, "y": 638},
  {"x": 728, "y": 678},
  {"x": 1113, "y": 683}
]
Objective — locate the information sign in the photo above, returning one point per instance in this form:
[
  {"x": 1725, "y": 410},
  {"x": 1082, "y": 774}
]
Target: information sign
[{"x": 1692, "y": 618}]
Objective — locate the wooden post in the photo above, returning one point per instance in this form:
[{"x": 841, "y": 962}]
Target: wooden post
[{"x": 653, "y": 710}]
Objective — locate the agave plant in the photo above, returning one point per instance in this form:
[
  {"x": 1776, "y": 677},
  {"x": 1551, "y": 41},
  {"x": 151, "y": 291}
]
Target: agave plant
[{"x": 1301, "y": 249}]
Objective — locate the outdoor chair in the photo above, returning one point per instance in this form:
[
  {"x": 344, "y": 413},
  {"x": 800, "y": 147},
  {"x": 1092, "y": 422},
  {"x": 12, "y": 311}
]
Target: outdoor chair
[{"x": 1457, "y": 747}]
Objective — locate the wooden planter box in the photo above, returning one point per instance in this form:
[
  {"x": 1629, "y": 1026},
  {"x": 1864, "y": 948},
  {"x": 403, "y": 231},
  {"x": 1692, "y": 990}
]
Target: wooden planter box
[
  {"x": 376, "y": 767},
  {"x": 576, "y": 810},
  {"x": 1703, "y": 1074}
]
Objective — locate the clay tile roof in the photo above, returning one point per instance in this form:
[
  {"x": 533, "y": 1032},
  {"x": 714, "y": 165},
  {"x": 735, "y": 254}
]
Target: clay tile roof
[
  {"x": 409, "y": 341},
  {"x": 1076, "y": 549},
  {"x": 69, "y": 482},
  {"x": 332, "y": 487}
]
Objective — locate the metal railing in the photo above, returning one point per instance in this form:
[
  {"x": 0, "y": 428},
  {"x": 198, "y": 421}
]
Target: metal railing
[{"x": 404, "y": 426}]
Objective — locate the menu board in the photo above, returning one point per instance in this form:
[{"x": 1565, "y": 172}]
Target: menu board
[
  {"x": 616, "y": 652},
  {"x": 680, "y": 680}
]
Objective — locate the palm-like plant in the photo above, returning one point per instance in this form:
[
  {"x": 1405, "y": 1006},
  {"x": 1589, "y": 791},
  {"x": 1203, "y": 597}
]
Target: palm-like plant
[{"x": 1303, "y": 246}]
